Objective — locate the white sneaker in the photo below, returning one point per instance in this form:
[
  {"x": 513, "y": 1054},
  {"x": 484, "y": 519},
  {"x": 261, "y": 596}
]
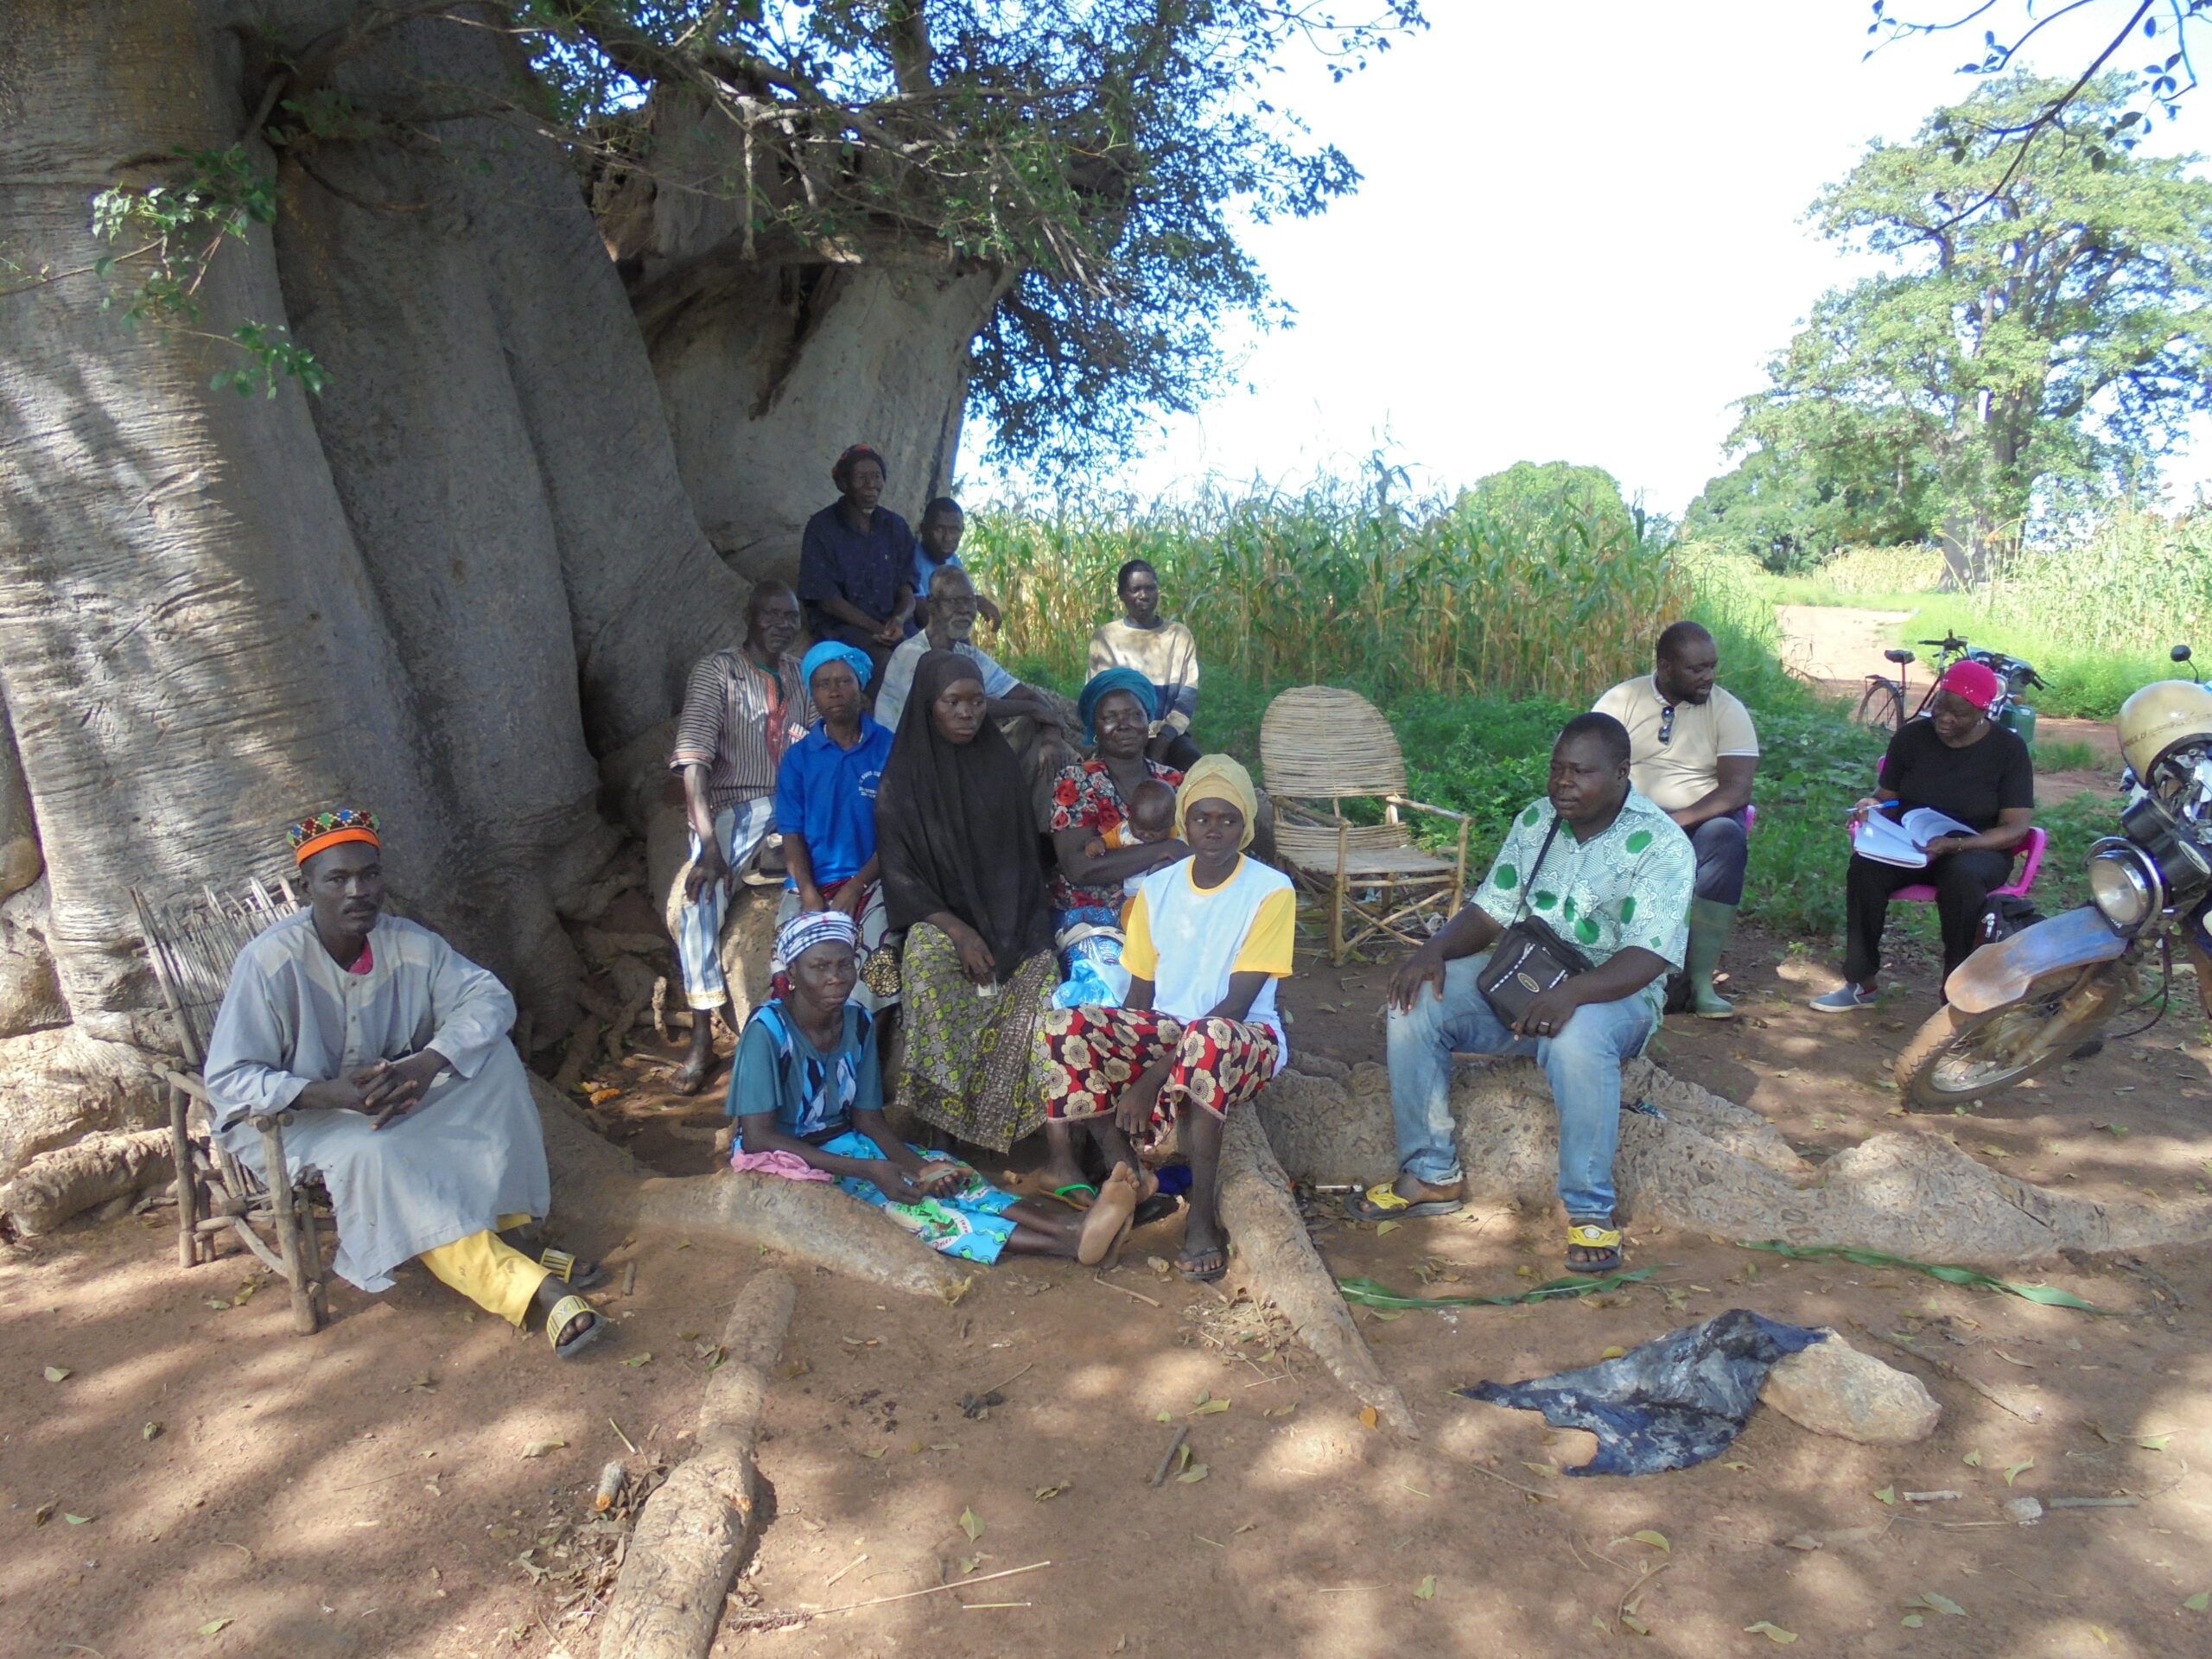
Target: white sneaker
[{"x": 1842, "y": 1000}]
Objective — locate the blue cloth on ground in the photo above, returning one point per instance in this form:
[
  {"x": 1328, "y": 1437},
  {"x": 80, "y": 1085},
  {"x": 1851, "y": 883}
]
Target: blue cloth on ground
[{"x": 1668, "y": 1403}]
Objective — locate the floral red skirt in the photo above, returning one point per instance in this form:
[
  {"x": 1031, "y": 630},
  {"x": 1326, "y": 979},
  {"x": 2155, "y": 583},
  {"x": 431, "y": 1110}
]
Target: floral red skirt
[{"x": 1090, "y": 1055}]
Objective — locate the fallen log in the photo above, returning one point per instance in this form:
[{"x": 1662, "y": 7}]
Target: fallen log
[
  {"x": 1281, "y": 1264},
  {"x": 690, "y": 1536}
]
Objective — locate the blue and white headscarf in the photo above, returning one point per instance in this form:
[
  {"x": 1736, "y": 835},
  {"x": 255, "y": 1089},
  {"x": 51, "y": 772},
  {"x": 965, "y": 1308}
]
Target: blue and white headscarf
[{"x": 833, "y": 650}]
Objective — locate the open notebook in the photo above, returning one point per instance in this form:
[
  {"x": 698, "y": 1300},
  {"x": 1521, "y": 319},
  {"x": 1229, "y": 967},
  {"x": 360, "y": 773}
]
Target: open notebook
[{"x": 1904, "y": 842}]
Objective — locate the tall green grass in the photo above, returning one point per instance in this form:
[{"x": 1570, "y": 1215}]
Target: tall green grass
[
  {"x": 2096, "y": 615},
  {"x": 1332, "y": 585}
]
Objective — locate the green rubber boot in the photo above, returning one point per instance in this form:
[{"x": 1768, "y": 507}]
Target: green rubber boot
[{"x": 1710, "y": 926}]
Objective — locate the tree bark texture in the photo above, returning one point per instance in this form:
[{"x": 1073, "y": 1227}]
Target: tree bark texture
[
  {"x": 443, "y": 590},
  {"x": 772, "y": 359}
]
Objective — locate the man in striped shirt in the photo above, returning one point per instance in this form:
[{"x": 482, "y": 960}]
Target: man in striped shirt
[{"x": 741, "y": 708}]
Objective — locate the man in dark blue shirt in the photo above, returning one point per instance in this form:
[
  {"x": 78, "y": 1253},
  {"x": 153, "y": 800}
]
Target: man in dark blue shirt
[{"x": 856, "y": 562}]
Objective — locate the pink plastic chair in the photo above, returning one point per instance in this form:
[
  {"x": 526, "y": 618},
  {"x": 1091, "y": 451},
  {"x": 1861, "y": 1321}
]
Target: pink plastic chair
[
  {"x": 2031, "y": 861},
  {"x": 1921, "y": 893}
]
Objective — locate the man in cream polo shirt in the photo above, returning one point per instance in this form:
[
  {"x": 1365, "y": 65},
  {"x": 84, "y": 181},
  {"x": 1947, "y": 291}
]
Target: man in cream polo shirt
[{"x": 1692, "y": 749}]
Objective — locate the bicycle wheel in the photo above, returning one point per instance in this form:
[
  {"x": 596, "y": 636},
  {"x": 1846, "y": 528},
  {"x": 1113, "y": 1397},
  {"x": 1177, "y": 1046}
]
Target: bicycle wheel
[{"x": 1882, "y": 708}]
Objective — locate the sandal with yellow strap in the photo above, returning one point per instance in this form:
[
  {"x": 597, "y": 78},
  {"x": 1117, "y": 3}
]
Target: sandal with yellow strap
[
  {"x": 575, "y": 1274},
  {"x": 1386, "y": 1203},
  {"x": 565, "y": 1311},
  {"x": 1597, "y": 1237}
]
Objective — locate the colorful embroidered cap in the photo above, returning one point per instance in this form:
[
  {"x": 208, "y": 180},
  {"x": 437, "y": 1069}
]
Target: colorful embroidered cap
[{"x": 310, "y": 835}]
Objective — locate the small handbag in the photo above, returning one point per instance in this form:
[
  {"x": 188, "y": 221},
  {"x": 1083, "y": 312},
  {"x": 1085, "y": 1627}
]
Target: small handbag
[{"x": 1528, "y": 958}]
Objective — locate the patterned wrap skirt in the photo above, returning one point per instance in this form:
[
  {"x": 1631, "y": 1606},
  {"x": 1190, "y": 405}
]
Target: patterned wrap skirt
[
  {"x": 971, "y": 1063},
  {"x": 1090, "y": 1055}
]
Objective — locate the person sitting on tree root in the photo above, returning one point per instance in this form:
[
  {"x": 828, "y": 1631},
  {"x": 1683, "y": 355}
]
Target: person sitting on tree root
[
  {"x": 807, "y": 1093},
  {"x": 1198, "y": 1034},
  {"x": 391, "y": 1048},
  {"x": 856, "y": 562},
  {"x": 825, "y": 809},
  {"x": 1692, "y": 752},
  {"x": 1617, "y": 888},
  {"x": 742, "y": 708},
  {"x": 943, "y": 526},
  {"x": 1035, "y": 721}
]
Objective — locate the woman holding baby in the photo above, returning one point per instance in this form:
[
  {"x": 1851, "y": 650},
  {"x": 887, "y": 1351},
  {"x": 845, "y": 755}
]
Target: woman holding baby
[{"x": 1104, "y": 834}]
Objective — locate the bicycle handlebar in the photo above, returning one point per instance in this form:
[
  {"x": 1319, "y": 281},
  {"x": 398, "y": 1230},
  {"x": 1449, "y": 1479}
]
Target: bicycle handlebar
[{"x": 1952, "y": 643}]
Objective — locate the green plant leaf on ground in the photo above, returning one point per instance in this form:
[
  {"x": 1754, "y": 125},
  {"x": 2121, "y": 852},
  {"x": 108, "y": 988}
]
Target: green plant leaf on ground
[
  {"x": 1773, "y": 1632},
  {"x": 2043, "y": 1295},
  {"x": 1369, "y": 1293}
]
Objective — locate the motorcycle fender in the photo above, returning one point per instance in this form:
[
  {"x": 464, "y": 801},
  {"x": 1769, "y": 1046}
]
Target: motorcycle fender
[{"x": 1999, "y": 973}]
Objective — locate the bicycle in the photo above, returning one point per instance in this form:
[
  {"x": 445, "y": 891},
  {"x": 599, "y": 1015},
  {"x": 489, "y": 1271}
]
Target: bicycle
[{"x": 1882, "y": 705}]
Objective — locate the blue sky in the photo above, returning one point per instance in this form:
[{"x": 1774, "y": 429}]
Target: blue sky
[{"x": 1579, "y": 239}]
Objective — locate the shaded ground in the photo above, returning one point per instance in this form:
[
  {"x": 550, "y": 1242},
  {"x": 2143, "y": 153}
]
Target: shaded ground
[{"x": 366, "y": 1491}]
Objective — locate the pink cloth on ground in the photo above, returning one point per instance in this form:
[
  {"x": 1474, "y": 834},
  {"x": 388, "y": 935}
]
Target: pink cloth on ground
[{"x": 788, "y": 1165}]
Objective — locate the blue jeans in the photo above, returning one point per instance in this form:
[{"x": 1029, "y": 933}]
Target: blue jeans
[{"x": 1583, "y": 1063}]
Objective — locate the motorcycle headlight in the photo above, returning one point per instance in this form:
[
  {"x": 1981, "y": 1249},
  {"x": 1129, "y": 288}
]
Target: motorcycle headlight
[{"x": 2125, "y": 884}]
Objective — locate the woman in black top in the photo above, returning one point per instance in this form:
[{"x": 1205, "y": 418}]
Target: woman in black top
[{"x": 1967, "y": 767}]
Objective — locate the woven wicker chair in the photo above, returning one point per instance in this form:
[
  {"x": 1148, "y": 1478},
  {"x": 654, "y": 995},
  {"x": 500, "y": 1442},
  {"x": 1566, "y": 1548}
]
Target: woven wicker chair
[
  {"x": 1321, "y": 744},
  {"x": 191, "y": 945}
]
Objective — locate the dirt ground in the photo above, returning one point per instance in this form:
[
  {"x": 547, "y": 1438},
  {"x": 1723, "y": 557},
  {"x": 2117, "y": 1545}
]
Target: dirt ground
[
  {"x": 182, "y": 1476},
  {"x": 220, "y": 1486}
]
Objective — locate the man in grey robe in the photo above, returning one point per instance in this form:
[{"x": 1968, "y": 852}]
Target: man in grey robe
[{"x": 391, "y": 1048}]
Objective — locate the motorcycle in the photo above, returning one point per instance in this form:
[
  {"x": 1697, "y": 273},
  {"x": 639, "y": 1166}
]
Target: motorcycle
[{"x": 2047, "y": 992}]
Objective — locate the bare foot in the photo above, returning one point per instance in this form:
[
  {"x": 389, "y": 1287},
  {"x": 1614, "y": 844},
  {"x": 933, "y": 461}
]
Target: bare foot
[{"x": 1107, "y": 1222}]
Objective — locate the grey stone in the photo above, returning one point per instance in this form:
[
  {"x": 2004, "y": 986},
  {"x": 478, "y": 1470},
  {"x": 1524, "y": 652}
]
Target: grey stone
[{"x": 1832, "y": 1388}]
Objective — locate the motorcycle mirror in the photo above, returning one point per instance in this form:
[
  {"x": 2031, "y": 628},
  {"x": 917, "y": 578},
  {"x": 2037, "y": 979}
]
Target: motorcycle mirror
[{"x": 2180, "y": 653}]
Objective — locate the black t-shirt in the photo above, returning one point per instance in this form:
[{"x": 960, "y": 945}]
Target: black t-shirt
[{"x": 1972, "y": 784}]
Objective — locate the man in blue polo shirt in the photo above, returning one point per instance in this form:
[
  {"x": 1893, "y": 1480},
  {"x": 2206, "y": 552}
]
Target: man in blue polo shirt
[{"x": 825, "y": 808}]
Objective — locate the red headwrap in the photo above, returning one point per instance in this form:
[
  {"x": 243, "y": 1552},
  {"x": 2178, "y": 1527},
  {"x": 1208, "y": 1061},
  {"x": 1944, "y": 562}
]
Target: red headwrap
[{"x": 1976, "y": 681}]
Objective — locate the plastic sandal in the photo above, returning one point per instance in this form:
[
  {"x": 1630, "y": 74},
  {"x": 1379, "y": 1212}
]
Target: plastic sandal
[
  {"x": 1588, "y": 1235},
  {"x": 577, "y": 1275},
  {"x": 557, "y": 1321},
  {"x": 1385, "y": 1203}
]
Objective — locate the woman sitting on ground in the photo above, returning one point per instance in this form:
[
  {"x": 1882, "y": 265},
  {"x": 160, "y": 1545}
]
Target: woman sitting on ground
[
  {"x": 825, "y": 809},
  {"x": 960, "y": 875},
  {"x": 1159, "y": 650},
  {"x": 1965, "y": 765},
  {"x": 1198, "y": 1034},
  {"x": 807, "y": 1093}
]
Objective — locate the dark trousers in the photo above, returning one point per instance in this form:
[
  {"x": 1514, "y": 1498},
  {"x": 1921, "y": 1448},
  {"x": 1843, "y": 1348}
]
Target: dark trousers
[
  {"x": 1962, "y": 881},
  {"x": 1722, "y": 849}
]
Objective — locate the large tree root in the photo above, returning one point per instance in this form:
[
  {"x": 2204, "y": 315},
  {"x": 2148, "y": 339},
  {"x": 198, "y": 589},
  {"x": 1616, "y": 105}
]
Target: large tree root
[
  {"x": 684, "y": 1549},
  {"x": 1719, "y": 1167},
  {"x": 55, "y": 1186},
  {"x": 1281, "y": 1264},
  {"x": 598, "y": 1186}
]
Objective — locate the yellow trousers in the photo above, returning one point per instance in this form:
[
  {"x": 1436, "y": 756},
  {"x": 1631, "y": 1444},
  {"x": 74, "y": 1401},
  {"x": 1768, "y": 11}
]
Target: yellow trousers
[{"x": 490, "y": 1272}]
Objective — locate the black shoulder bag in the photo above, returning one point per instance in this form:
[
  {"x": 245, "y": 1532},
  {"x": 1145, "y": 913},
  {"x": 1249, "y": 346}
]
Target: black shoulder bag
[{"x": 1528, "y": 958}]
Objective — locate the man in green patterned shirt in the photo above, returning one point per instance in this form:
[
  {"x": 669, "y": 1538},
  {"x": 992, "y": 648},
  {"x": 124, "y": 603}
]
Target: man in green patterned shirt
[{"x": 1611, "y": 873}]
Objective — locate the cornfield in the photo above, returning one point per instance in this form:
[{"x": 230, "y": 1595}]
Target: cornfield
[
  {"x": 1323, "y": 586},
  {"x": 2140, "y": 582}
]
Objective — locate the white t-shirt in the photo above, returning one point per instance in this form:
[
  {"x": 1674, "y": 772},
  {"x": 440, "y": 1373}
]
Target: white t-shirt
[
  {"x": 1188, "y": 940},
  {"x": 898, "y": 676},
  {"x": 1681, "y": 771}
]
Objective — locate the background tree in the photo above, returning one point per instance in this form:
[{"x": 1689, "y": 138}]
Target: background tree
[
  {"x": 2047, "y": 333},
  {"x": 1790, "y": 509}
]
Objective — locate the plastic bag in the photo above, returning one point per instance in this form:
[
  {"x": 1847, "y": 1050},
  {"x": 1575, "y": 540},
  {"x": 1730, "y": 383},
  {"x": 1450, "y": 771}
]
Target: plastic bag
[{"x": 1668, "y": 1403}]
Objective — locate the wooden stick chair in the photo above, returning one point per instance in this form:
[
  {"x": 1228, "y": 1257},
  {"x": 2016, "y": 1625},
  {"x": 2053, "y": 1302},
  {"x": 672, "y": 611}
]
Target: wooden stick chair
[
  {"x": 1318, "y": 744},
  {"x": 191, "y": 945}
]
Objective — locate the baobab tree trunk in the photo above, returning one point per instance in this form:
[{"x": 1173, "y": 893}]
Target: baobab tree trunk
[
  {"x": 443, "y": 590},
  {"x": 772, "y": 358}
]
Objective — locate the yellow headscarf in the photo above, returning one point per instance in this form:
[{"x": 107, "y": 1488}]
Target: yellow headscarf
[{"x": 1218, "y": 777}]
